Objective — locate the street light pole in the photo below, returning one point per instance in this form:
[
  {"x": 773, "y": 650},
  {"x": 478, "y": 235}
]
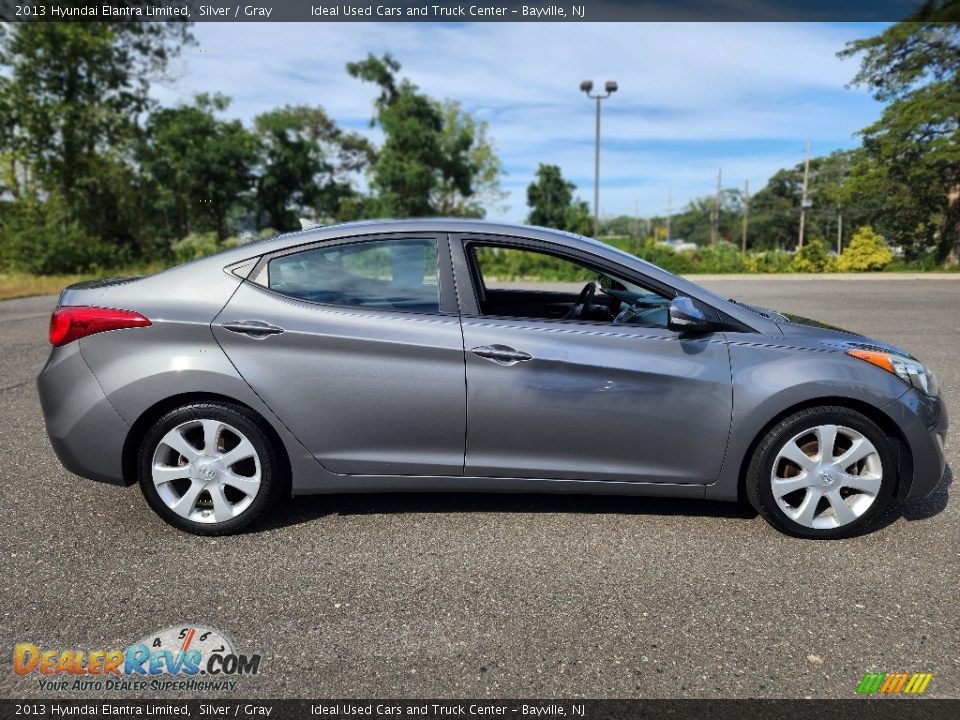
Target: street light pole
[{"x": 609, "y": 87}]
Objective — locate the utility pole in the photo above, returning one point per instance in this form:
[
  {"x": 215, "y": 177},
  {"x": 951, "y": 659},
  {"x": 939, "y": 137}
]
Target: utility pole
[
  {"x": 715, "y": 219},
  {"x": 609, "y": 88},
  {"x": 804, "y": 203},
  {"x": 669, "y": 210},
  {"x": 839, "y": 233},
  {"x": 636, "y": 222},
  {"x": 746, "y": 215}
]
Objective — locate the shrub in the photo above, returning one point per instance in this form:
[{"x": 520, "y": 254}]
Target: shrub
[
  {"x": 866, "y": 252},
  {"x": 813, "y": 257},
  {"x": 723, "y": 257},
  {"x": 41, "y": 238},
  {"x": 768, "y": 261},
  {"x": 194, "y": 246},
  {"x": 665, "y": 257}
]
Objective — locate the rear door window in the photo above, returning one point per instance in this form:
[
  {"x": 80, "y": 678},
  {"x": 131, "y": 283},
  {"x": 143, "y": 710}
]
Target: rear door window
[{"x": 386, "y": 274}]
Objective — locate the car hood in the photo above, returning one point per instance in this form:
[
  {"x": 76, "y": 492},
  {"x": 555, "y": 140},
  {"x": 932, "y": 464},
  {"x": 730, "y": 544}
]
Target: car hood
[{"x": 814, "y": 333}]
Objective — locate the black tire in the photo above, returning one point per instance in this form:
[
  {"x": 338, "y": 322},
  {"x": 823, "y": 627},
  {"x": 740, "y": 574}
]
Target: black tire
[
  {"x": 758, "y": 478},
  {"x": 273, "y": 475}
]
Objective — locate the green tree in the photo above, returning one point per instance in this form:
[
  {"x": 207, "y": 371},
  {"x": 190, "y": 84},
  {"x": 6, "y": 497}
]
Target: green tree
[
  {"x": 306, "y": 166},
  {"x": 867, "y": 251},
  {"x": 405, "y": 173},
  {"x": 70, "y": 96},
  {"x": 551, "y": 202},
  {"x": 471, "y": 180},
  {"x": 914, "y": 148},
  {"x": 435, "y": 159},
  {"x": 196, "y": 167}
]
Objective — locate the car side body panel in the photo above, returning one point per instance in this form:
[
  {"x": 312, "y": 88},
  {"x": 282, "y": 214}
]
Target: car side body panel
[
  {"x": 593, "y": 400},
  {"x": 771, "y": 378},
  {"x": 87, "y": 433},
  {"x": 95, "y": 389},
  {"x": 366, "y": 391}
]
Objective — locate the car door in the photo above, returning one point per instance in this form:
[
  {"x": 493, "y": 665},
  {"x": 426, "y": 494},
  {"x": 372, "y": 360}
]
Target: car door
[
  {"x": 575, "y": 399},
  {"x": 356, "y": 346}
]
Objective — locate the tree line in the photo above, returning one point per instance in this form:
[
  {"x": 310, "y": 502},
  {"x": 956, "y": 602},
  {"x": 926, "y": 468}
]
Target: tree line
[
  {"x": 94, "y": 173},
  {"x": 903, "y": 180}
]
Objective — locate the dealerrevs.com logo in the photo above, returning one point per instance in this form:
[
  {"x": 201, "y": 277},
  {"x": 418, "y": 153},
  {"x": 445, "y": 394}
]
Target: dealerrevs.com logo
[{"x": 180, "y": 657}]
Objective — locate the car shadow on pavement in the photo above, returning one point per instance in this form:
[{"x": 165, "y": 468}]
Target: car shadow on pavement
[
  {"x": 307, "y": 508},
  {"x": 935, "y": 504},
  {"x": 915, "y": 510},
  {"x": 310, "y": 507}
]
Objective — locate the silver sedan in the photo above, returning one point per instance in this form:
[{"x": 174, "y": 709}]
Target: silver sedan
[{"x": 448, "y": 355}]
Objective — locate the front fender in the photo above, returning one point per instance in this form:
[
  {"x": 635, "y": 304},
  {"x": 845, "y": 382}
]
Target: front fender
[{"x": 771, "y": 379}]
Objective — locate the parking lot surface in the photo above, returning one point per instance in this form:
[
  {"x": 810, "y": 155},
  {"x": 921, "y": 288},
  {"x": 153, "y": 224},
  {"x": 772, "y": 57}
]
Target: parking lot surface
[{"x": 497, "y": 596}]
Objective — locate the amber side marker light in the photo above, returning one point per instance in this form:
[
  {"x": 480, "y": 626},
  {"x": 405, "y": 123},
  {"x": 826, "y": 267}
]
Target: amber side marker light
[
  {"x": 907, "y": 369},
  {"x": 880, "y": 359},
  {"x": 74, "y": 322}
]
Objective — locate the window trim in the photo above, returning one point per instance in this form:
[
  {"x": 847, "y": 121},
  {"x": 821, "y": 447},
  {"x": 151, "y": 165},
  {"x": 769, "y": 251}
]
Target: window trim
[
  {"x": 448, "y": 304},
  {"x": 470, "y": 305}
]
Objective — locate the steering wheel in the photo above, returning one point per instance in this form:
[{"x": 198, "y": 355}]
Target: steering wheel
[{"x": 583, "y": 301}]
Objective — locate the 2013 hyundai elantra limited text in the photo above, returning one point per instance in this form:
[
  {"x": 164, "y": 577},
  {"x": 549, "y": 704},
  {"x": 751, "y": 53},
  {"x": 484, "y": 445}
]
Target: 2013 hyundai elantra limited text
[{"x": 398, "y": 356}]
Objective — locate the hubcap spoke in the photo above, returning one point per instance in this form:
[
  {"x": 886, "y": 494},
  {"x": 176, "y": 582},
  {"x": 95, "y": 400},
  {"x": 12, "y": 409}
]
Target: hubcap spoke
[
  {"x": 185, "y": 505},
  {"x": 794, "y": 454},
  {"x": 175, "y": 440},
  {"x": 806, "y": 509},
  {"x": 248, "y": 486},
  {"x": 785, "y": 486},
  {"x": 211, "y": 434},
  {"x": 860, "y": 450},
  {"x": 841, "y": 511},
  {"x": 241, "y": 452},
  {"x": 826, "y": 438},
  {"x": 165, "y": 473},
  {"x": 222, "y": 509},
  {"x": 864, "y": 483}
]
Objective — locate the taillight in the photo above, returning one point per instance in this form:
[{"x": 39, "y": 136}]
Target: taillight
[{"x": 72, "y": 323}]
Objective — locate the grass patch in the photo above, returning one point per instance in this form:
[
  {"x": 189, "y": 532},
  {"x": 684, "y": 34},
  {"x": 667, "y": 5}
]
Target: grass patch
[{"x": 18, "y": 285}]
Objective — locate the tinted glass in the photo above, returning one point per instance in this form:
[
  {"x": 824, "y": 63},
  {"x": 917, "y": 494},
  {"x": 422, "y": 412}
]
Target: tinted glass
[
  {"x": 392, "y": 274},
  {"x": 521, "y": 282}
]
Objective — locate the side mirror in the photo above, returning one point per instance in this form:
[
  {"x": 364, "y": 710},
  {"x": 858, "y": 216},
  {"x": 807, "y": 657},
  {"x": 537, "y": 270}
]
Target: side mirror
[{"x": 685, "y": 316}]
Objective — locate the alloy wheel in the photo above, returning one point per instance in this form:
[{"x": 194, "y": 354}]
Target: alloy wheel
[
  {"x": 826, "y": 477},
  {"x": 206, "y": 471}
]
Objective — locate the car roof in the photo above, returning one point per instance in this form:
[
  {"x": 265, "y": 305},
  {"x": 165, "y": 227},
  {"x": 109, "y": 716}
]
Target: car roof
[
  {"x": 362, "y": 228},
  {"x": 317, "y": 233}
]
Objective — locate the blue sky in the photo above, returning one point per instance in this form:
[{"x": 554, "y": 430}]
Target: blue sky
[{"x": 694, "y": 97}]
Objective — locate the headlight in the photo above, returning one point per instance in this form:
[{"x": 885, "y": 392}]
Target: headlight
[{"x": 908, "y": 369}]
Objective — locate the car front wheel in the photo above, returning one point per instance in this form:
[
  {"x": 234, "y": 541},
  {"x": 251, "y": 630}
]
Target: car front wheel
[
  {"x": 822, "y": 473},
  {"x": 209, "y": 468}
]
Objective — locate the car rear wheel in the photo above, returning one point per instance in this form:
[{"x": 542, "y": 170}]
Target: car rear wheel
[
  {"x": 209, "y": 468},
  {"x": 822, "y": 473}
]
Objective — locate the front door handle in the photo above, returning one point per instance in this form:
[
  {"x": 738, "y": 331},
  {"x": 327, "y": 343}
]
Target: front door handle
[
  {"x": 253, "y": 328},
  {"x": 501, "y": 354}
]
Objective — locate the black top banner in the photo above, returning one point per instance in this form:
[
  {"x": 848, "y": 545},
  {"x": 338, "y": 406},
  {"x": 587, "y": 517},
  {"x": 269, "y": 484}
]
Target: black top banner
[{"x": 470, "y": 11}]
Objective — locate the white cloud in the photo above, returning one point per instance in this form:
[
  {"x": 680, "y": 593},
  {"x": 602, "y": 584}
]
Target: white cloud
[{"x": 693, "y": 96}]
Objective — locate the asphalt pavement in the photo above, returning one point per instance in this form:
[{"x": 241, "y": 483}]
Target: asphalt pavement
[{"x": 497, "y": 596}]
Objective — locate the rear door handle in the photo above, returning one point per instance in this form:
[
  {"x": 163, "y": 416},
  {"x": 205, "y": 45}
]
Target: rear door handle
[
  {"x": 253, "y": 328},
  {"x": 501, "y": 354}
]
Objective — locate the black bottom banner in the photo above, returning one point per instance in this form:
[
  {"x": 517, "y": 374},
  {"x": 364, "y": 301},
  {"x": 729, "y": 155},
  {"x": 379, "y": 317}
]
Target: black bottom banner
[{"x": 867, "y": 709}]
